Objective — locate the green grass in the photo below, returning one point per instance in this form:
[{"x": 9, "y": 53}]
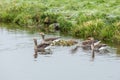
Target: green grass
[{"x": 78, "y": 18}]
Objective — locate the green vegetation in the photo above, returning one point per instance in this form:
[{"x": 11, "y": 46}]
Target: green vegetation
[{"x": 78, "y": 18}]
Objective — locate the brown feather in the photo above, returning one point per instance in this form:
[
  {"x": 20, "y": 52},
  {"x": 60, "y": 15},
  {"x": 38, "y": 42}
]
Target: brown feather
[
  {"x": 43, "y": 45},
  {"x": 51, "y": 39}
]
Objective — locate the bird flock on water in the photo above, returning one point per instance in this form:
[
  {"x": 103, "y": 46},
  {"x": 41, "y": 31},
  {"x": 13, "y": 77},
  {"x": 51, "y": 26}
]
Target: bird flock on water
[{"x": 44, "y": 47}]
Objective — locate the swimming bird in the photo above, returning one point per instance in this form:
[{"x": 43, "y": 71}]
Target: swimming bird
[
  {"x": 98, "y": 47},
  {"x": 41, "y": 47},
  {"x": 93, "y": 45},
  {"x": 86, "y": 44},
  {"x": 89, "y": 41},
  {"x": 101, "y": 48},
  {"x": 49, "y": 39}
]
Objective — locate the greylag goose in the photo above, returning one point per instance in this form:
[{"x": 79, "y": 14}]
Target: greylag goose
[
  {"x": 48, "y": 39},
  {"x": 89, "y": 41},
  {"x": 98, "y": 47},
  {"x": 86, "y": 44},
  {"x": 41, "y": 47},
  {"x": 101, "y": 48}
]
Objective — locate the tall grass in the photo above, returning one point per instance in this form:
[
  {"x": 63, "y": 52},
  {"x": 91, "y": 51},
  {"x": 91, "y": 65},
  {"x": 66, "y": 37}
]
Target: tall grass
[{"x": 79, "y": 18}]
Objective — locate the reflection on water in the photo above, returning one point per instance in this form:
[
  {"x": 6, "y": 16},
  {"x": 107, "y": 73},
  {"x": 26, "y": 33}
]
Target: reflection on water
[
  {"x": 117, "y": 50},
  {"x": 18, "y": 63}
]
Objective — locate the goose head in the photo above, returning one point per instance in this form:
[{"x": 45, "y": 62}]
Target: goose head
[{"x": 42, "y": 35}]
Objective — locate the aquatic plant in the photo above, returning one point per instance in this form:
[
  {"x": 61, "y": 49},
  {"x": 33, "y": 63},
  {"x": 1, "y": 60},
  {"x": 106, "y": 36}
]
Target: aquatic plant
[{"x": 97, "y": 18}]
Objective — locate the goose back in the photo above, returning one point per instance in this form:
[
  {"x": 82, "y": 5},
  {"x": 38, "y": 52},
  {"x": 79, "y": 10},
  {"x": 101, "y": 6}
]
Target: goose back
[
  {"x": 51, "y": 39},
  {"x": 43, "y": 45}
]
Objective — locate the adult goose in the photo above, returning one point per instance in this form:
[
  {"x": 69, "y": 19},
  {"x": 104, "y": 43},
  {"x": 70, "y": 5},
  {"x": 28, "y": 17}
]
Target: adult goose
[
  {"x": 43, "y": 47},
  {"x": 89, "y": 41},
  {"x": 48, "y": 39},
  {"x": 86, "y": 44},
  {"x": 100, "y": 48},
  {"x": 93, "y": 45}
]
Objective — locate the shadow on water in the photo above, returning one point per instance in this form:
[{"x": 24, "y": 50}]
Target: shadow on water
[{"x": 18, "y": 61}]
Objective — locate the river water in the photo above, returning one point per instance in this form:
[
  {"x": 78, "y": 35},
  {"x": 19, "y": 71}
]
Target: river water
[{"x": 17, "y": 61}]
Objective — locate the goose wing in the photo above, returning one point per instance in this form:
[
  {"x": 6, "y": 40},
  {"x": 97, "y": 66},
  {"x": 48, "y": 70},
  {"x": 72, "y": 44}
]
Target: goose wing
[
  {"x": 97, "y": 43},
  {"x": 51, "y": 39},
  {"x": 43, "y": 45}
]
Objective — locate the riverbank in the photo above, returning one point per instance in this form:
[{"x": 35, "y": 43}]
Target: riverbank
[
  {"x": 80, "y": 19},
  {"x": 18, "y": 63}
]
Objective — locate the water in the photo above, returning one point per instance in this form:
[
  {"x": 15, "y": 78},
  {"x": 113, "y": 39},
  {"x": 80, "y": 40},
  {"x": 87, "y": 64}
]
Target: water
[{"x": 17, "y": 61}]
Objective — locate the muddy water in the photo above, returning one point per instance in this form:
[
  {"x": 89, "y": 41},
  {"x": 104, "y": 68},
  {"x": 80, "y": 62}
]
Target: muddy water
[{"x": 17, "y": 61}]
